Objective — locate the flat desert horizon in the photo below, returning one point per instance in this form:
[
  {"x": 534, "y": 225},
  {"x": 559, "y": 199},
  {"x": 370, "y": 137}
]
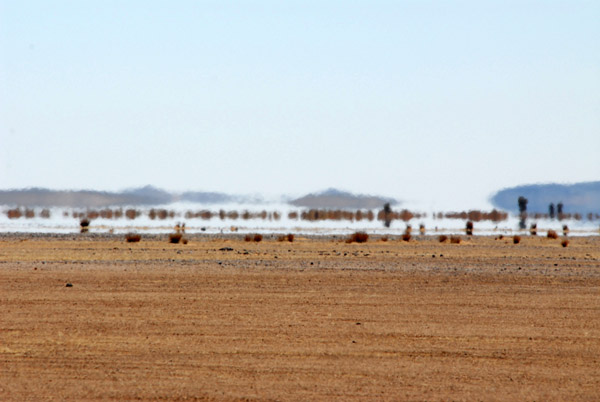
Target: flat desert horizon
[{"x": 219, "y": 318}]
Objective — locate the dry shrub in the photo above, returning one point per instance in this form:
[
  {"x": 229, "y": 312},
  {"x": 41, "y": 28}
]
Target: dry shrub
[
  {"x": 533, "y": 229},
  {"x": 358, "y": 237},
  {"x": 133, "y": 237},
  {"x": 253, "y": 237},
  {"x": 406, "y": 215},
  {"x": 442, "y": 238},
  {"x": 175, "y": 238},
  {"x": 290, "y": 237},
  {"x": 406, "y": 237},
  {"x": 45, "y": 213},
  {"x": 422, "y": 229},
  {"x": 204, "y": 214},
  {"x": 565, "y": 230},
  {"x": 564, "y": 243},
  {"x": 469, "y": 228},
  {"x": 494, "y": 215},
  {"x": 552, "y": 234},
  {"x": 14, "y": 213},
  {"x": 516, "y": 239},
  {"x": 455, "y": 239},
  {"x": 93, "y": 214},
  {"x": 85, "y": 225},
  {"x": 131, "y": 214},
  {"x": 384, "y": 238},
  {"x": 184, "y": 240}
]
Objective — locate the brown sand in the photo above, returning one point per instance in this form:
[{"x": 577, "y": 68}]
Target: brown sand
[{"x": 316, "y": 319}]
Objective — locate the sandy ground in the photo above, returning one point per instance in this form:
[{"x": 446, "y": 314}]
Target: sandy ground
[{"x": 316, "y": 319}]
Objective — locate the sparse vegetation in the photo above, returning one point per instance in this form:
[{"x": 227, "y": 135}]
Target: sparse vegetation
[
  {"x": 14, "y": 213},
  {"x": 406, "y": 236},
  {"x": 565, "y": 243},
  {"x": 552, "y": 234},
  {"x": 133, "y": 237},
  {"x": 289, "y": 237},
  {"x": 175, "y": 238},
  {"x": 253, "y": 237},
  {"x": 516, "y": 239},
  {"x": 455, "y": 239},
  {"x": 358, "y": 237},
  {"x": 475, "y": 215},
  {"x": 442, "y": 238}
]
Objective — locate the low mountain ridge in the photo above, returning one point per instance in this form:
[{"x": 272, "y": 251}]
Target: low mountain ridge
[
  {"x": 151, "y": 196},
  {"x": 333, "y": 198}
]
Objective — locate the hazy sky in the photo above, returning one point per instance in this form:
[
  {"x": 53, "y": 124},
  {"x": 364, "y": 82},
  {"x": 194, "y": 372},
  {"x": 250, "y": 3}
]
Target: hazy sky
[{"x": 419, "y": 100}]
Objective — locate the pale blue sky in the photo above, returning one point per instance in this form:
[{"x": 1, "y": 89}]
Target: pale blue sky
[{"x": 420, "y": 100}]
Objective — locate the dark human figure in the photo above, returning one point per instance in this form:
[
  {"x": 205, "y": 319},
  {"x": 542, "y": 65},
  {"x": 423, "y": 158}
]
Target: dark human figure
[
  {"x": 522, "y": 212},
  {"x": 522, "y": 204},
  {"x": 551, "y": 210},
  {"x": 387, "y": 214},
  {"x": 559, "y": 210}
]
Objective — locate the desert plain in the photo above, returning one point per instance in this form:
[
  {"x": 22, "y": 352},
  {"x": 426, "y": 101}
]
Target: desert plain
[{"x": 220, "y": 318}]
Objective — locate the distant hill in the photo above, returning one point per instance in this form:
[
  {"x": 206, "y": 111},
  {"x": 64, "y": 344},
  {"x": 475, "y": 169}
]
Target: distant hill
[
  {"x": 150, "y": 195},
  {"x": 333, "y": 198},
  {"x": 576, "y": 198},
  {"x": 207, "y": 197},
  {"x": 144, "y": 196},
  {"x": 41, "y": 197}
]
